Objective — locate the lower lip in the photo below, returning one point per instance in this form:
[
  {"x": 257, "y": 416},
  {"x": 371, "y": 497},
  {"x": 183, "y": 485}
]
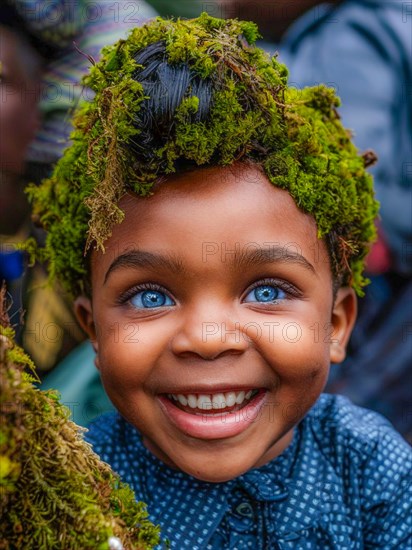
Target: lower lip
[{"x": 214, "y": 426}]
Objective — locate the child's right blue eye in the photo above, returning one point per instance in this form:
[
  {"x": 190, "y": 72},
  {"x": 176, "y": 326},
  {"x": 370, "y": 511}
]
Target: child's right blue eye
[{"x": 151, "y": 299}]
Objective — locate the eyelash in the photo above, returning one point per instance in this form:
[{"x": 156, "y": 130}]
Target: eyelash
[
  {"x": 290, "y": 290},
  {"x": 126, "y": 296}
]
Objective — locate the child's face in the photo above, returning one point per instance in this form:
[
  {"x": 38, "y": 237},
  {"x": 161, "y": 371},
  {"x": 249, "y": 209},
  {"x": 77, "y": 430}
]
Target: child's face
[{"x": 215, "y": 286}]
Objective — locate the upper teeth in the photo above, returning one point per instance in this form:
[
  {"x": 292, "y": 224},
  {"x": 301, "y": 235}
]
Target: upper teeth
[{"x": 211, "y": 401}]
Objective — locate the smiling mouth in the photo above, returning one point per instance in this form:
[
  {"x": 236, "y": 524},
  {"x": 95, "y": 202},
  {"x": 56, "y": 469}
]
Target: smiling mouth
[{"x": 212, "y": 404}]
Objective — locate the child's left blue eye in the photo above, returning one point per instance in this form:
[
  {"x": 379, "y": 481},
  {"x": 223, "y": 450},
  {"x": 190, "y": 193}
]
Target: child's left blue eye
[
  {"x": 151, "y": 299},
  {"x": 265, "y": 294}
]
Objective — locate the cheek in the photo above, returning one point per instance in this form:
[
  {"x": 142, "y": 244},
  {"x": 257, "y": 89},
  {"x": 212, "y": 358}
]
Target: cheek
[
  {"x": 18, "y": 125},
  {"x": 128, "y": 354},
  {"x": 297, "y": 354},
  {"x": 300, "y": 369},
  {"x": 19, "y": 113}
]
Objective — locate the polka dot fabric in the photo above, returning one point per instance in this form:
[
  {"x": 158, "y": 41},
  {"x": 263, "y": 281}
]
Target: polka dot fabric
[{"x": 344, "y": 483}]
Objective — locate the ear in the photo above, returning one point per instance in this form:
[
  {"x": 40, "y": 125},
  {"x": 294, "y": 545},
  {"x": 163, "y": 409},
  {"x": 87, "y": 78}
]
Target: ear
[
  {"x": 343, "y": 319},
  {"x": 84, "y": 314}
]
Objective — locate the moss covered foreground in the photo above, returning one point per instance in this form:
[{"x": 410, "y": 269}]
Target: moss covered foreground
[{"x": 55, "y": 493}]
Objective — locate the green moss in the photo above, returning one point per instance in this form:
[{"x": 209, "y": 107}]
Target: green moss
[
  {"x": 296, "y": 136},
  {"x": 54, "y": 491}
]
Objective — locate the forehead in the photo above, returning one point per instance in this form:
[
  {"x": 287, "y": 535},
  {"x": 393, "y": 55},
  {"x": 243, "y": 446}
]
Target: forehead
[{"x": 224, "y": 209}]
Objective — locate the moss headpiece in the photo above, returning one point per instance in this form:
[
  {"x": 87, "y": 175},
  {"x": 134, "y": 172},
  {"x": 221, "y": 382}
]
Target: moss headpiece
[{"x": 252, "y": 115}]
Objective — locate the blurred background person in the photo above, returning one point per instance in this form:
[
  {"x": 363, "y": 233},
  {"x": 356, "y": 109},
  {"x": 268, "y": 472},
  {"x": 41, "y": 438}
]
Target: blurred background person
[
  {"x": 46, "y": 48},
  {"x": 21, "y": 61}
]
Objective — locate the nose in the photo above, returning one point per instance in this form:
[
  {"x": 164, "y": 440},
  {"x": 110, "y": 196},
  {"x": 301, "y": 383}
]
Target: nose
[{"x": 209, "y": 333}]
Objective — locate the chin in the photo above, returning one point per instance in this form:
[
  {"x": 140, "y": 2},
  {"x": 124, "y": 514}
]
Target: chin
[
  {"x": 214, "y": 470},
  {"x": 216, "y": 475}
]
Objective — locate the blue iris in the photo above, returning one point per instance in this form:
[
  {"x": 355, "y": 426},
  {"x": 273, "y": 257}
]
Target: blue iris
[
  {"x": 151, "y": 299},
  {"x": 265, "y": 294}
]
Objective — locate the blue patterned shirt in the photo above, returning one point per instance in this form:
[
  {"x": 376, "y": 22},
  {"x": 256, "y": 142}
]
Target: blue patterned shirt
[{"x": 343, "y": 483}]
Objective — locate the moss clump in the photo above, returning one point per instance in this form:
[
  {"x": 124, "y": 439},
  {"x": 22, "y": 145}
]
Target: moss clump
[
  {"x": 54, "y": 491},
  {"x": 296, "y": 137}
]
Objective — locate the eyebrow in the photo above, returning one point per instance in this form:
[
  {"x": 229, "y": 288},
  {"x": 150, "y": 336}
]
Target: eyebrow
[
  {"x": 143, "y": 259},
  {"x": 240, "y": 259},
  {"x": 270, "y": 254}
]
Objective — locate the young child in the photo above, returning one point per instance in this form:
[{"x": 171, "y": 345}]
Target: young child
[{"x": 225, "y": 218}]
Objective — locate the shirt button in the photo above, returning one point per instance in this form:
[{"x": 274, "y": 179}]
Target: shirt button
[{"x": 245, "y": 509}]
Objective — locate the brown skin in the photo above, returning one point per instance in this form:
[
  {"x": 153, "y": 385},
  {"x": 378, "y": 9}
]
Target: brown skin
[
  {"x": 20, "y": 88},
  {"x": 19, "y": 121},
  {"x": 170, "y": 354},
  {"x": 272, "y": 16}
]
